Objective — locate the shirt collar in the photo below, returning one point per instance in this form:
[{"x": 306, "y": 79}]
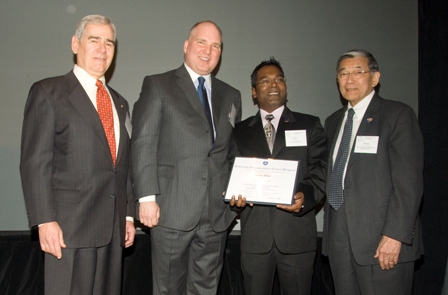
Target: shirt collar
[
  {"x": 194, "y": 76},
  {"x": 363, "y": 103},
  {"x": 277, "y": 113},
  {"x": 85, "y": 79}
]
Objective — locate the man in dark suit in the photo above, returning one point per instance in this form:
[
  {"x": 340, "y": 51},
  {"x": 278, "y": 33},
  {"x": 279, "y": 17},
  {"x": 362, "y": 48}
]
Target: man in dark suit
[
  {"x": 282, "y": 237},
  {"x": 181, "y": 147},
  {"x": 372, "y": 232},
  {"x": 74, "y": 168}
]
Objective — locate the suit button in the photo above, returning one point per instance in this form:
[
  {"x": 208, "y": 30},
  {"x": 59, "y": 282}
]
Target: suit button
[
  {"x": 112, "y": 196},
  {"x": 208, "y": 155}
]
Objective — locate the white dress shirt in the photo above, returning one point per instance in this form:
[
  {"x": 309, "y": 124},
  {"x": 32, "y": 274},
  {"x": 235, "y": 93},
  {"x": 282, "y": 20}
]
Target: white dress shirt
[
  {"x": 360, "y": 109},
  {"x": 89, "y": 84},
  {"x": 277, "y": 115}
]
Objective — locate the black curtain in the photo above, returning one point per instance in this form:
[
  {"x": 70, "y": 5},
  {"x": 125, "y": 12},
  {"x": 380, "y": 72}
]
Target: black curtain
[
  {"x": 433, "y": 107},
  {"x": 21, "y": 267}
]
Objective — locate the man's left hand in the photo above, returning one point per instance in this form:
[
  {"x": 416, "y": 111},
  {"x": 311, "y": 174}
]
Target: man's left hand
[
  {"x": 387, "y": 253},
  {"x": 297, "y": 206}
]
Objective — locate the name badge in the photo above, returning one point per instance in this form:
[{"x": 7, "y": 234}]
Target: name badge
[
  {"x": 295, "y": 137},
  {"x": 128, "y": 125},
  {"x": 366, "y": 144},
  {"x": 232, "y": 115}
]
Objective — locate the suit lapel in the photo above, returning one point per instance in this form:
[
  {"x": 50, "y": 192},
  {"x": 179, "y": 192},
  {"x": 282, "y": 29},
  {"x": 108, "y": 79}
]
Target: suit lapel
[
  {"x": 257, "y": 136},
  {"x": 334, "y": 128},
  {"x": 367, "y": 127},
  {"x": 187, "y": 86},
  {"x": 122, "y": 112},
  {"x": 283, "y": 124},
  {"x": 84, "y": 107},
  {"x": 216, "y": 102}
]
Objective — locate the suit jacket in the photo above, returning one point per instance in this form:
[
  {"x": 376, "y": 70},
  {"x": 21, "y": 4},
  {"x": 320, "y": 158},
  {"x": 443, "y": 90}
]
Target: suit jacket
[
  {"x": 382, "y": 191},
  {"x": 171, "y": 149},
  {"x": 262, "y": 225},
  {"x": 66, "y": 167}
]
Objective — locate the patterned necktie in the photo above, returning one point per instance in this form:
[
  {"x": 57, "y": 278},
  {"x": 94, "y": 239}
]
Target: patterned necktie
[
  {"x": 104, "y": 107},
  {"x": 269, "y": 130},
  {"x": 336, "y": 193},
  {"x": 202, "y": 92}
]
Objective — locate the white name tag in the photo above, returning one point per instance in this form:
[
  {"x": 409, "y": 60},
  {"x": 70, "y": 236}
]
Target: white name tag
[
  {"x": 232, "y": 115},
  {"x": 295, "y": 138},
  {"x": 128, "y": 125},
  {"x": 366, "y": 144}
]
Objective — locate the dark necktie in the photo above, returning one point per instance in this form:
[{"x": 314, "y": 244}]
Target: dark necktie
[
  {"x": 104, "y": 108},
  {"x": 202, "y": 92},
  {"x": 336, "y": 193},
  {"x": 269, "y": 130}
]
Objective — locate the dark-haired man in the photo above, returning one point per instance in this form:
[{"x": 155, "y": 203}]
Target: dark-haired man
[
  {"x": 280, "y": 238},
  {"x": 372, "y": 231}
]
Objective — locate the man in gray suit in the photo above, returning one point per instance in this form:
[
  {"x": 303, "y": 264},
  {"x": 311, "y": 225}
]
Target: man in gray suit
[
  {"x": 281, "y": 238},
  {"x": 181, "y": 153},
  {"x": 372, "y": 231},
  {"x": 74, "y": 168}
]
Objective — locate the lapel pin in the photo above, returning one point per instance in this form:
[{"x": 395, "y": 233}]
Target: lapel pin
[
  {"x": 122, "y": 106},
  {"x": 369, "y": 120}
]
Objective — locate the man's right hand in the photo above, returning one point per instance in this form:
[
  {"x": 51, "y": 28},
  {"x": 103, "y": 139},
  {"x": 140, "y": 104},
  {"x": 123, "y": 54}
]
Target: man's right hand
[
  {"x": 149, "y": 213},
  {"x": 51, "y": 239}
]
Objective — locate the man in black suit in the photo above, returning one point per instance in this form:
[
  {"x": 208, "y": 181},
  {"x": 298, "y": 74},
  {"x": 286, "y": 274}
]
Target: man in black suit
[
  {"x": 181, "y": 149},
  {"x": 280, "y": 238},
  {"x": 74, "y": 168},
  {"x": 372, "y": 231}
]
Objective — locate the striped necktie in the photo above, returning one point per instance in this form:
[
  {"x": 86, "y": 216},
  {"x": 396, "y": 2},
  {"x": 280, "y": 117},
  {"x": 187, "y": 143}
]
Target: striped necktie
[{"x": 269, "y": 130}]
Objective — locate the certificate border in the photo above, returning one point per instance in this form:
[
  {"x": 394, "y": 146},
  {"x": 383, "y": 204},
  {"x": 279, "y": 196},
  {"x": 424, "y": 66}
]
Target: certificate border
[{"x": 266, "y": 203}]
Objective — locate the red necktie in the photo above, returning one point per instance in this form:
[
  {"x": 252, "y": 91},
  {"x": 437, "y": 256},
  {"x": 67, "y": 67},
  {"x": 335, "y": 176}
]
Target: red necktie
[{"x": 104, "y": 107}]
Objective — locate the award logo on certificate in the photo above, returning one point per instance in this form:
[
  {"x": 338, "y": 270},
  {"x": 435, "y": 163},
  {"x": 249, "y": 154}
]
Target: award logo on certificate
[{"x": 263, "y": 181}]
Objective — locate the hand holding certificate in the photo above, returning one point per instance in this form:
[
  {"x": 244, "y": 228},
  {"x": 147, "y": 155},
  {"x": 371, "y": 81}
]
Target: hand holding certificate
[{"x": 263, "y": 181}]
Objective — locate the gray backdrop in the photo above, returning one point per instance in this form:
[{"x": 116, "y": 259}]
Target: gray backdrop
[{"x": 306, "y": 36}]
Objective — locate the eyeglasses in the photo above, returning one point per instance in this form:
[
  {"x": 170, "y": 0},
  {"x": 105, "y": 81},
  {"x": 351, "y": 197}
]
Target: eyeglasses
[
  {"x": 266, "y": 81},
  {"x": 354, "y": 75}
]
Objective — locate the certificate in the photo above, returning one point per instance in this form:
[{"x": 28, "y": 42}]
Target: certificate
[{"x": 263, "y": 181}]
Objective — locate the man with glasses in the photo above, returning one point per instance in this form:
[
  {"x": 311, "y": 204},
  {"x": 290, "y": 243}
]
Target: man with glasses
[
  {"x": 372, "y": 232},
  {"x": 280, "y": 238}
]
